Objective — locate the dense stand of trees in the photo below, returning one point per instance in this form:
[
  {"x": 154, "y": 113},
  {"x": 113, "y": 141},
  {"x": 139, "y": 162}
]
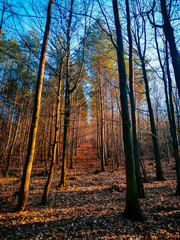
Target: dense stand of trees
[{"x": 86, "y": 71}]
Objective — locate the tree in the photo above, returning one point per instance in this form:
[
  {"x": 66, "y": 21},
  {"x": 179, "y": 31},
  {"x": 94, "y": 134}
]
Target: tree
[
  {"x": 173, "y": 128},
  {"x": 169, "y": 104},
  {"x": 132, "y": 209},
  {"x": 23, "y": 192},
  {"x": 141, "y": 193},
  {"x": 101, "y": 65},
  {"x": 49, "y": 181},
  {"x": 169, "y": 33},
  {"x": 138, "y": 36},
  {"x": 70, "y": 86}
]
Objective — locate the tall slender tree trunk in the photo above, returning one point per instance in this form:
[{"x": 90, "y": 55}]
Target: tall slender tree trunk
[
  {"x": 132, "y": 209},
  {"x": 2, "y": 16},
  {"x": 51, "y": 128},
  {"x": 101, "y": 121},
  {"x": 50, "y": 177},
  {"x": 73, "y": 138},
  {"x": 97, "y": 131},
  {"x": 170, "y": 110},
  {"x": 24, "y": 188},
  {"x": 173, "y": 128},
  {"x": 77, "y": 133},
  {"x": 65, "y": 137},
  {"x": 169, "y": 33},
  {"x": 113, "y": 149},
  {"x": 159, "y": 173},
  {"x": 139, "y": 180},
  {"x": 67, "y": 105}
]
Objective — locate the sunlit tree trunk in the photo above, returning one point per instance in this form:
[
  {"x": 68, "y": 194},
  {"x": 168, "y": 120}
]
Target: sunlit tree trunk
[
  {"x": 76, "y": 133},
  {"x": 50, "y": 177},
  {"x": 24, "y": 188},
  {"x": 132, "y": 209},
  {"x": 73, "y": 137}
]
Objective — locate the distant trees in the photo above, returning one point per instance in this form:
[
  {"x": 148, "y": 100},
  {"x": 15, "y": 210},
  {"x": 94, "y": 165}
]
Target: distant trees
[{"x": 71, "y": 80}]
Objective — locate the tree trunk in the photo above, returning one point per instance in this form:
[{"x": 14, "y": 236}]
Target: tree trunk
[
  {"x": 139, "y": 180},
  {"x": 65, "y": 138},
  {"x": 24, "y": 188},
  {"x": 132, "y": 209},
  {"x": 72, "y": 139},
  {"x": 2, "y": 16},
  {"x": 169, "y": 33},
  {"x": 171, "y": 112},
  {"x": 159, "y": 173},
  {"x": 101, "y": 121},
  {"x": 50, "y": 177},
  {"x": 173, "y": 128}
]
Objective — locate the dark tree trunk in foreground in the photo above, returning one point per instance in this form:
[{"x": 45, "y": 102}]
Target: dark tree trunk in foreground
[
  {"x": 132, "y": 210},
  {"x": 24, "y": 188},
  {"x": 169, "y": 33},
  {"x": 139, "y": 180},
  {"x": 170, "y": 110},
  {"x": 174, "y": 133}
]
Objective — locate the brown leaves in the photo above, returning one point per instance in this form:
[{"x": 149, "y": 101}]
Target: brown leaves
[{"x": 91, "y": 206}]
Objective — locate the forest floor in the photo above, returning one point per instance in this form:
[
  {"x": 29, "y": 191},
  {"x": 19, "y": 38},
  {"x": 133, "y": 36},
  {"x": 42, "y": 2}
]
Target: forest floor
[{"x": 92, "y": 204}]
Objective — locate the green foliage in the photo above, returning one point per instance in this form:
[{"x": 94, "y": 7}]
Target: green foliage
[
  {"x": 100, "y": 59},
  {"x": 18, "y": 67}
]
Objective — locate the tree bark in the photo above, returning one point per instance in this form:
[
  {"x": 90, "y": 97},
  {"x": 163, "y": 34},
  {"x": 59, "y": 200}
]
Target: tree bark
[
  {"x": 102, "y": 150},
  {"x": 67, "y": 105},
  {"x": 50, "y": 177},
  {"x": 132, "y": 209},
  {"x": 173, "y": 128},
  {"x": 169, "y": 33},
  {"x": 159, "y": 173},
  {"x": 139, "y": 180},
  {"x": 24, "y": 188}
]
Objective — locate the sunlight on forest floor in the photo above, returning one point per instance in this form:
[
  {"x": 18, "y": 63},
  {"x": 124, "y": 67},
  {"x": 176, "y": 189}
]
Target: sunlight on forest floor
[{"x": 91, "y": 206}]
